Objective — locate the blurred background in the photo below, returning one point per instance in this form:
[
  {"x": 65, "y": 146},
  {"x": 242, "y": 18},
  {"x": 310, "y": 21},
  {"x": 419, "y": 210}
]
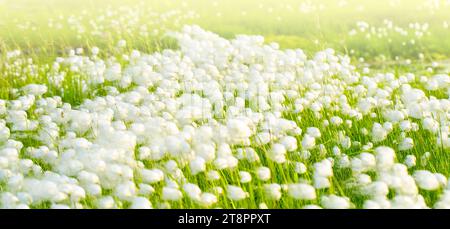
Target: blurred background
[{"x": 380, "y": 32}]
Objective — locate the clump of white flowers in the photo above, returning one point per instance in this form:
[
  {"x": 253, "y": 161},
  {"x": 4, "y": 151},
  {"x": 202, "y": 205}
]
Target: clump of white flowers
[{"x": 222, "y": 121}]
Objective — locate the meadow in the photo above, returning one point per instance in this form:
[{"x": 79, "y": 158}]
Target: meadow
[{"x": 224, "y": 104}]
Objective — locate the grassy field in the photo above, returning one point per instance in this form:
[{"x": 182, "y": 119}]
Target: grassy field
[
  {"x": 293, "y": 24},
  {"x": 45, "y": 30},
  {"x": 379, "y": 37}
]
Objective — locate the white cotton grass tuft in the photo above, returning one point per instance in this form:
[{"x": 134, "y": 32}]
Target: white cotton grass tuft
[
  {"x": 406, "y": 144},
  {"x": 207, "y": 199},
  {"x": 289, "y": 142},
  {"x": 192, "y": 191},
  {"x": 197, "y": 165},
  {"x": 125, "y": 191},
  {"x": 263, "y": 173},
  {"x": 277, "y": 153},
  {"x": 410, "y": 161},
  {"x": 308, "y": 142},
  {"x": 140, "y": 203},
  {"x": 385, "y": 157},
  {"x": 273, "y": 191},
  {"x": 245, "y": 176},
  {"x": 300, "y": 168},
  {"x": 236, "y": 193},
  {"x": 426, "y": 180},
  {"x": 313, "y": 132},
  {"x": 213, "y": 175},
  {"x": 321, "y": 182},
  {"x": 172, "y": 194},
  {"x": 302, "y": 191},
  {"x": 106, "y": 202},
  {"x": 323, "y": 168},
  {"x": 379, "y": 133},
  {"x": 152, "y": 175},
  {"x": 335, "y": 202}
]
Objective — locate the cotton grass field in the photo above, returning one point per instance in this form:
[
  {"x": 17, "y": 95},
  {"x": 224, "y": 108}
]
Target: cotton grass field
[{"x": 225, "y": 104}]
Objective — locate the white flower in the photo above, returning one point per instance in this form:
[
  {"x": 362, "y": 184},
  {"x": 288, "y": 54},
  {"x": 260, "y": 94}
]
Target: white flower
[
  {"x": 323, "y": 168},
  {"x": 263, "y": 138},
  {"x": 263, "y": 173},
  {"x": 406, "y": 144},
  {"x": 444, "y": 201},
  {"x": 145, "y": 189},
  {"x": 410, "y": 161},
  {"x": 289, "y": 142},
  {"x": 273, "y": 191},
  {"x": 249, "y": 154},
  {"x": 171, "y": 166},
  {"x": 9, "y": 200},
  {"x": 236, "y": 193},
  {"x": 410, "y": 202},
  {"x": 430, "y": 125},
  {"x": 238, "y": 130},
  {"x": 335, "y": 202},
  {"x": 35, "y": 89},
  {"x": 442, "y": 179},
  {"x": 300, "y": 168},
  {"x": 213, "y": 175},
  {"x": 245, "y": 176},
  {"x": 221, "y": 163},
  {"x": 379, "y": 133},
  {"x": 192, "y": 190},
  {"x": 197, "y": 165},
  {"x": 344, "y": 161},
  {"x": 224, "y": 150},
  {"x": 206, "y": 151},
  {"x": 345, "y": 142},
  {"x": 363, "y": 179},
  {"x": 218, "y": 190},
  {"x": 335, "y": 120},
  {"x": 313, "y": 132},
  {"x": 438, "y": 81},
  {"x": 385, "y": 157},
  {"x": 302, "y": 191},
  {"x": 321, "y": 182},
  {"x": 405, "y": 125},
  {"x": 363, "y": 162},
  {"x": 336, "y": 151},
  {"x": 106, "y": 202},
  {"x": 207, "y": 199},
  {"x": 172, "y": 194},
  {"x": 140, "y": 203},
  {"x": 4, "y": 132},
  {"x": 125, "y": 191},
  {"x": 394, "y": 116},
  {"x": 88, "y": 177},
  {"x": 376, "y": 189},
  {"x": 80, "y": 121},
  {"x": 277, "y": 153},
  {"x": 308, "y": 142},
  {"x": 378, "y": 203},
  {"x": 426, "y": 180},
  {"x": 152, "y": 175}
]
